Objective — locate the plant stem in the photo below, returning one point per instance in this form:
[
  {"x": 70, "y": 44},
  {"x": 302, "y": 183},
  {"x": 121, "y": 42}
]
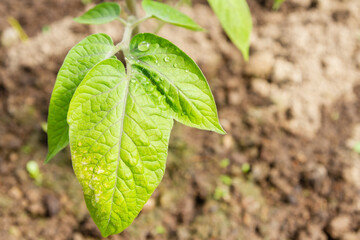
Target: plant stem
[
  {"x": 141, "y": 20},
  {"x": 122, "y": 21},
  {"x": 124, "y": 44},
  {"x": 131, "y": 5}
]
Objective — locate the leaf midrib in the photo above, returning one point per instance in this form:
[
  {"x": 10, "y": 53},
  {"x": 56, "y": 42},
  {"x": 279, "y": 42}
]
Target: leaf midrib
[{"x": 128, "y": 76}]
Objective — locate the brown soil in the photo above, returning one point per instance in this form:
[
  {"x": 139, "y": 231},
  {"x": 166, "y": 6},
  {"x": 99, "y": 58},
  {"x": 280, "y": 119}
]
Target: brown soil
[{"x": 292, "y": 114}]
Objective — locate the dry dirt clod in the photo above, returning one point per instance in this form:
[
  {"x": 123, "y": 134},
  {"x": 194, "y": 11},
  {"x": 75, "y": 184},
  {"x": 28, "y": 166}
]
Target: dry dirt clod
[
  {"x": 351, "y": 236},
  {"x": 52, "y": 205},
  {"x": 15, "y": 193},
  {"x": 9, "y": 37},
  {"x": 302, "y": 3},
  {"x": 261, "y": 87},
  {"x": 235, "y": 97},
  {"x": 260, "y": 65},
  {"x": 78, "y": 236},
  {"x": 260, "y": 171},
  {"x": 10, "y": 141},
  {"x": 352, "y": 175},
  {"x": 313, "y": 232},
  {"x": 228, "y": 142},
  {"x": 37, "y": 209},
  {"x": 339, "y": 226},
  {"x": 285, "y": 71}
]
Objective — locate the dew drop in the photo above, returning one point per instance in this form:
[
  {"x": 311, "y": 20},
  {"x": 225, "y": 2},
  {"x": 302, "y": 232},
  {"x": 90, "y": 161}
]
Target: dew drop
[
  {"x": 144, "y": 46},
  {"x": 166, "y": 59},
  {"x": 175, "y": 65}
]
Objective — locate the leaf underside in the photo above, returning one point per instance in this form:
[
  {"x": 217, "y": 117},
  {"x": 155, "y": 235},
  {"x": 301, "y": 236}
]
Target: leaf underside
[
  {"x": 100, "y": 14},
  {"x": 80, "y": 59},
  {"x": 120, "y": 123},
  {"x": 170, "y": 15},
  {"x": 235, "y": 18}
]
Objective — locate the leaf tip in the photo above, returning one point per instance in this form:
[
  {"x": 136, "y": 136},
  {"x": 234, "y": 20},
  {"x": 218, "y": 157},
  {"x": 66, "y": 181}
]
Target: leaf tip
[
  {"x": 245, "y": 52},
  {"x": 200, "y": 29},
  {"x": 49, "y": 156},
  {"x": 77, "y": 19},
  {"x": 219, "y": 129}
]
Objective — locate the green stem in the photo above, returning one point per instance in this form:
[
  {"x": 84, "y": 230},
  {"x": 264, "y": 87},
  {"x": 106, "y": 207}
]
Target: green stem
[
  {"x": 131, "y": 5},
  {"x": 123, "y": 21},
  {"x": 142, "y": 20},
  {"x": 131, "y": 27},
  {"x": 125, "y": 42}
]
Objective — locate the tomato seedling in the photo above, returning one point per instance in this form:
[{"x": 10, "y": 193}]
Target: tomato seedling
[{"x": 118, "y": 118}]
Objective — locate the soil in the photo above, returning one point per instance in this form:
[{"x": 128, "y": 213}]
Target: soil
[{"x": 289, "y": 167}]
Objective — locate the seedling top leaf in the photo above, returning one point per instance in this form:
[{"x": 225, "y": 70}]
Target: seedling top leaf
[
  {"x": 100, "y": 14},
  {"x": 170, "y": 15}
]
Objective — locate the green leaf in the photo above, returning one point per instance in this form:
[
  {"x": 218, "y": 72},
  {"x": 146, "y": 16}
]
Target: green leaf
[
  {"x": 170, "y": 15},
  {"x": 80, "y": 59},
  {"x": 175, "y": 81},
  {"x": 120, "y": 125},
  {"x": 118, "y": 140},
  {"x": 235, "y": 18},
  {"x": 100, "y": 14}
]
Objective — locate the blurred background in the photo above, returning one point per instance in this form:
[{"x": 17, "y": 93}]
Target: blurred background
[{"x": 289, "y": 167}]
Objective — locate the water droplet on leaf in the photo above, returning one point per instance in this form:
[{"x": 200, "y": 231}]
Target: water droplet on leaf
[
  {"x": 166, "y": 59},
  {"x": 144, "y": 46},
  {"x": 175, "y": 65}
]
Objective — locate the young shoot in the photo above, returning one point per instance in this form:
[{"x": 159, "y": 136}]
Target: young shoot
[{"x": 118, "y": 119}]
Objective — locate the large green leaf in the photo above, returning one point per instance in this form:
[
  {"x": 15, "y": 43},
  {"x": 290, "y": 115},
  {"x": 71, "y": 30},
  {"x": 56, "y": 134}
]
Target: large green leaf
[
  {"x": 178, "y": 82},
  {"x": 118, "y": 140},
  {"x": 170, "y": 15},
  {"x": 235, "y": 18},
  {"x": 100, "y": 14},
  {"x": 120, "y": 126},
  {"x": 80, "y": 59}
]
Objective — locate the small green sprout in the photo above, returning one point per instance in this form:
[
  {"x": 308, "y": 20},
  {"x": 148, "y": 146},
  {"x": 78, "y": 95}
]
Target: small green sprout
[
  {"x": 224, "y": 163},
  {"x": 226, "y": 180},
  {"x": 245, "y": 168},
  {"x": 33, "y": 169},
  {"x": 160, "y": 230}
]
